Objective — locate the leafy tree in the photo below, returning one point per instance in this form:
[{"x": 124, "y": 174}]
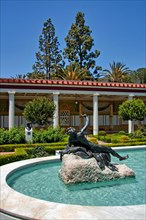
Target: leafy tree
[
  {"x": 49, "y": 56},
  {"x": 118, "y": 72},
  {"x": 79, "y": 44},
  {"x": 19, "y": 76},
  {"x": 139, "y": 76},
  {"x": 134, "y": 109},
  {"x": 39, "y": 111}
]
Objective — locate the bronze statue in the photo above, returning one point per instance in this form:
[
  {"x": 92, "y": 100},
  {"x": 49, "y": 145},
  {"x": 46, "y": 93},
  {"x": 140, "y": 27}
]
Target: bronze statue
[{"x": 89, "y": 149}]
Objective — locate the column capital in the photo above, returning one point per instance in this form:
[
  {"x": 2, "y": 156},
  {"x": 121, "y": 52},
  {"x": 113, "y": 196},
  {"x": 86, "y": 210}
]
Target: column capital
[
  {"x": 11, "y": 92},
  {"x": 131, "y": 95},
  {"x": 96, "y": 94},
  {"x": 56, "y": 93}
]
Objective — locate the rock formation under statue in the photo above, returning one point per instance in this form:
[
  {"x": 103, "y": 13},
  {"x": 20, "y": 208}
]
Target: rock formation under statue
[
  {"x": 75, "y": 169},
  {"x": 84, "y": 161}
]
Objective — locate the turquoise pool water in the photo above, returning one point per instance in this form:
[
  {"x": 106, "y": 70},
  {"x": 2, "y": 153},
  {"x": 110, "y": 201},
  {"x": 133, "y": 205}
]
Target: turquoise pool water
[{"x": 42, "y": 181}]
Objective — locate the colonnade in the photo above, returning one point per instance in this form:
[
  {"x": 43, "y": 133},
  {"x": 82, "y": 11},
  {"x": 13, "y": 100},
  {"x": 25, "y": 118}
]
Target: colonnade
[{"x": 56, "y": 115}]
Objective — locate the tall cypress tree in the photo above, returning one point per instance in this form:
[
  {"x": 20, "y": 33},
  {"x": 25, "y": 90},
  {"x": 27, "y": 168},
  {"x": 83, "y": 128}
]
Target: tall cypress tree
[
  {"x": 79, "y": 44},
  {"x": 49, "y": 56}
]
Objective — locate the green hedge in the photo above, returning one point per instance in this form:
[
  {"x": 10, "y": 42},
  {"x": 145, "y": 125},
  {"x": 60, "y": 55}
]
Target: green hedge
[
  {"x": 124, "y": 144},
  {"x": 20, "y": 154},
  {"x": 138, "y": 140},
  {"x": 25, "y": 153},
  {"x": 49, "y": 150},
  {"x": 11, "y": 147},
  {"x": 115, "y": 139},
  {"x": 16, "y": 135}
]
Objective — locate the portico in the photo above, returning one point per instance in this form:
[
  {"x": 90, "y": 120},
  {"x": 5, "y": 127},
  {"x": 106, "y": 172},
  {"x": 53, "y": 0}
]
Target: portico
[{"x": 100, "y": 100}]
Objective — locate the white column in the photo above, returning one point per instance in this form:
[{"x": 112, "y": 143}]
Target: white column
[
  {"x": 111, "y": 116},
  {"x": 95, "y": 114},
  {"x": 56, "y": 115},
  {"x": 11, "y": 109},
  {"x": 130, "y": 123}
]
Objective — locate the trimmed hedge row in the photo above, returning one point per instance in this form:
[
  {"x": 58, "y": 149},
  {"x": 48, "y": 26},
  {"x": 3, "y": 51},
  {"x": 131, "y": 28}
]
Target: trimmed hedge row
[
  {"x": 20, "y": 154},
  {"x": 11, "y": 148},
  {"x": 49, "y": 150},
  {"x": 125, "y": 144},
  {"x": 25, "y": 153},
  {"x": 121, "y": 139}
]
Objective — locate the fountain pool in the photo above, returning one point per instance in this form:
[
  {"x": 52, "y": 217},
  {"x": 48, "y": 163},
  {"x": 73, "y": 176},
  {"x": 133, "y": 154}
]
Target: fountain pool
[
  {"x": 41, "y": 181},
  {"x": 21, "y": 192}
]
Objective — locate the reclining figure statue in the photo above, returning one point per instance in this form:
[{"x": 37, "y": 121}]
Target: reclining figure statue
[{"x": 79, "y": 145}]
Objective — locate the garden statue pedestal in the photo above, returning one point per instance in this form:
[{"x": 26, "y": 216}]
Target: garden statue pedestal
[{"x": 28, "y": 133}]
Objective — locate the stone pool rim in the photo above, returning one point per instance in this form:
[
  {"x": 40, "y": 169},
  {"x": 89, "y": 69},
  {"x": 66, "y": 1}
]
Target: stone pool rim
[{"x": 21, "y": 206}]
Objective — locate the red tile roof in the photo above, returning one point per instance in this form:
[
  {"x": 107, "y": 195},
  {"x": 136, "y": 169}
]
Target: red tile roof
[
  {"x": 70, "y": 85},
  {"x": 70, "y": 82}
]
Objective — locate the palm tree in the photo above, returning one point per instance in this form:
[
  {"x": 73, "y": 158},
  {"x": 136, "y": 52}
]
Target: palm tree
[
  {"x": 118, "y": 72},
  {"x": 73, "y": 72}
]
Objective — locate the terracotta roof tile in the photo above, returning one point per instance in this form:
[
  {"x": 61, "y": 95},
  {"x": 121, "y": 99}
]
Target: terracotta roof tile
[{"x": 90, "y": 83}]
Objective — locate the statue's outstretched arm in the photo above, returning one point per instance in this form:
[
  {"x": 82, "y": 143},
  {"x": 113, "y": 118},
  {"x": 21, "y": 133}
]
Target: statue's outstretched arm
[{"x": 86, "y": 123}]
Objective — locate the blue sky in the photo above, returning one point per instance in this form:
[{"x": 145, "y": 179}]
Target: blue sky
[{"x": 118, "y": 30}]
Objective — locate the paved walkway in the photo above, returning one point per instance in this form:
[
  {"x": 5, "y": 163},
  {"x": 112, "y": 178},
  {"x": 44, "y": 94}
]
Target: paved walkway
[{"x": 3, "y": 153}]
